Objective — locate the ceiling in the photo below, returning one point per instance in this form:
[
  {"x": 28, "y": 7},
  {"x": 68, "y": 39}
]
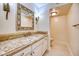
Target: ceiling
[
  {"x": 48, "y": 5},
  {"x": 39, "y": 5},
  {"x": 63, "y": 10},
  {"x": 43, "y": 5}
]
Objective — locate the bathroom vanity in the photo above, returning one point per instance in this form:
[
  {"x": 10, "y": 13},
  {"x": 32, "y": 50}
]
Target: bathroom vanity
[{"x": 24, "y": 44}]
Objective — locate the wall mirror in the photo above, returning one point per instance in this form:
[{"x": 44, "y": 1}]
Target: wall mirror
[{"x": 25, "y": 18}]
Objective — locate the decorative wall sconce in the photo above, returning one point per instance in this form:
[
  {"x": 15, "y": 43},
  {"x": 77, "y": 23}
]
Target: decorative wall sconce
[
  {"x": 6, "y": 8},
  {"x": 37, "y": 19}
]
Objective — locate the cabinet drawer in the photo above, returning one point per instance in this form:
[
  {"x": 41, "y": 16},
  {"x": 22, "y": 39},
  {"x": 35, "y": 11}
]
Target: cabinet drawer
[{"x": 24, "y": 52}]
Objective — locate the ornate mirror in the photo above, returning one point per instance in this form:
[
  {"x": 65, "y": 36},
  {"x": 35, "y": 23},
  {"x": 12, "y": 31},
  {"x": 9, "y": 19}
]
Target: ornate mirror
[{"x": 25, "y": 18}]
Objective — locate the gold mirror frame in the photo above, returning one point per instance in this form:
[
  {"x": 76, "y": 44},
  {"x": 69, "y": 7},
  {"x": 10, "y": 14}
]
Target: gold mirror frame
[{"x": 18, "y": 21}]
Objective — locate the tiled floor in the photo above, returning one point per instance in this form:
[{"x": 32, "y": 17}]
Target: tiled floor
[{"x": 58, "y": 49}]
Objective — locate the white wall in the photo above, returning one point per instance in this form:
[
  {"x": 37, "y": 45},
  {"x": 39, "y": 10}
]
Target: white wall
[
  {"x": 7, "y": 26},
  {"x": 43, "y": 24},
  {"x": 73, "y": 18}
]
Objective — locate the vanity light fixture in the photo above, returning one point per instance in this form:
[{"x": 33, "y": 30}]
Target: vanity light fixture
[
  {"x": 54, "y": 12},
  {"x": 6, "y": 8}
]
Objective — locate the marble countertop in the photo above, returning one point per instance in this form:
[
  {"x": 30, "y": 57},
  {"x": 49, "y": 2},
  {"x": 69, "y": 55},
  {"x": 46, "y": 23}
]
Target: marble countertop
[{"x": 10, "y": 45}]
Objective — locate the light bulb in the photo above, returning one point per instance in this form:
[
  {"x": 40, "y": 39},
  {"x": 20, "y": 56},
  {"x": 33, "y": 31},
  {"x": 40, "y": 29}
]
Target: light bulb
[{"x": 54, "y": 14}]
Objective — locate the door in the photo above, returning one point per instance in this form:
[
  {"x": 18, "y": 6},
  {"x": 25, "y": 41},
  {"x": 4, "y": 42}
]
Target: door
[{"x": 58, "y": 29}]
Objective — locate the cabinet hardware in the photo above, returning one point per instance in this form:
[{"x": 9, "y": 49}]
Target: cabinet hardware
[
  {"x": 31, "y": 54},
  {"x": 22, "y": 54}
]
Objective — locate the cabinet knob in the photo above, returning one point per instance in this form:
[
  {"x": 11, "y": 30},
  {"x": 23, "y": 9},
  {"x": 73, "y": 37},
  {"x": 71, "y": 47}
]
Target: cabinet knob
[
  {"x": 33, "y": 52},
  {"x": 22, "y": 54}
]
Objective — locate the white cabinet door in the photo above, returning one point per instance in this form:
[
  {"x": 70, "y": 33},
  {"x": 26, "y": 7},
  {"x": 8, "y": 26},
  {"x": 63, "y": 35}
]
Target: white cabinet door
[
  {"x": 40, "y": 47},
  {"x": 37, "y": 48},
  {"x": 37, "y": 51},
  {"x": 25, "y": 52},
  {"x": 44, "y": 45}
]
